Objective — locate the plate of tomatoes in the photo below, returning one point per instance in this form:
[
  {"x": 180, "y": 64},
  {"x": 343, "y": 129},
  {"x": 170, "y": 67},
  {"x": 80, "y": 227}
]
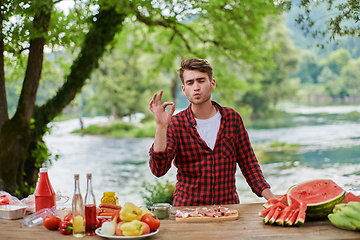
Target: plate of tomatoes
[{"x": 98, "y": 232}]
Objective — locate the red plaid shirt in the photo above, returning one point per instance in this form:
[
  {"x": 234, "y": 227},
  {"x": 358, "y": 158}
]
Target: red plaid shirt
[{"x": 205, "y": 176}]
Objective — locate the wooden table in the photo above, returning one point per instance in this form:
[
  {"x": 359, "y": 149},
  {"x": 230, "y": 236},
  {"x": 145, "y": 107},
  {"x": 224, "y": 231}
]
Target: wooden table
[{"x": 248, "y": 226}]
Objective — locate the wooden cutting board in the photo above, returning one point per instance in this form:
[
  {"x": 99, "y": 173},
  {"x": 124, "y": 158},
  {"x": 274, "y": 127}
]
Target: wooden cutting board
[{"x": 209, "y": 219}]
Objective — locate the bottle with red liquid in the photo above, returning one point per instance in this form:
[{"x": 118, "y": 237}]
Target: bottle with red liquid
[
  {"x": 90, "y": 208},
  {"x": 45, "y": 196}
]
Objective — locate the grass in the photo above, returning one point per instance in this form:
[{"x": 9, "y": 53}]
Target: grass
[{"x": 120, "y": 129}]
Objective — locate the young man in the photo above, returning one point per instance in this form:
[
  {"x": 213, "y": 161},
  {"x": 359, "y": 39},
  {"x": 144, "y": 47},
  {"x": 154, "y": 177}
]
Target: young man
[{"x": 205, "y": 142}]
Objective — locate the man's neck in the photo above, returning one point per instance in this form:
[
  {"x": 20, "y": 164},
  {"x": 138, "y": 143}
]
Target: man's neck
[{"x": 203, "y": 111}]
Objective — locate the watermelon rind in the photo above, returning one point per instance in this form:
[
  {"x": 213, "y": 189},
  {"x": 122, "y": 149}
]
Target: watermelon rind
[{"x": 322, "y": 209}]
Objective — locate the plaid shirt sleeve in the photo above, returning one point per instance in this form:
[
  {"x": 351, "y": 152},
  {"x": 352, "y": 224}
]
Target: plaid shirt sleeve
[{"x": 248, "y": 162}]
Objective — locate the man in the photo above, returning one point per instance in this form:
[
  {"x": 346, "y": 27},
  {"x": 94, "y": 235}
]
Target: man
[{"x": 205, "y": 142}]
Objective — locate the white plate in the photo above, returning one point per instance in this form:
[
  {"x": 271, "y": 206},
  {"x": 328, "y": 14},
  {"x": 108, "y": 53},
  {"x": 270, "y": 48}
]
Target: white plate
[{"x": 98, "y": 232}]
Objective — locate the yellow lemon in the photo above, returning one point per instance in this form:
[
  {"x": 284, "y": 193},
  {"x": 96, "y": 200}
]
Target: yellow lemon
[{"x": 78, "y": 224}]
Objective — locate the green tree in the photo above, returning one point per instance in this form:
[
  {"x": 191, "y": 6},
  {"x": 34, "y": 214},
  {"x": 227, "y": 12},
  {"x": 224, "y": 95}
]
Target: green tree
[
  {"x": 337, "y": 60},
  {"x": 350, "y": 76},
  {"x": 30, "y": 26}
]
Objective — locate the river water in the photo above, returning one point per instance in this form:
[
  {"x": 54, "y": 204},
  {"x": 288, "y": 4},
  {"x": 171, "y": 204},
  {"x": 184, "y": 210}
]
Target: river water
[{"x": 330, "y": 149}]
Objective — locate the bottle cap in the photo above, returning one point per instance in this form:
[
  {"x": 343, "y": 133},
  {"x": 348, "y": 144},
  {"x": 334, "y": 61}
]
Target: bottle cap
[{"x": 43, "y": 169}]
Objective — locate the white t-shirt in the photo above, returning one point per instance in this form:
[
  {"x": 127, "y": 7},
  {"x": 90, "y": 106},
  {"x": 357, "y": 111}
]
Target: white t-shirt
[{"x": 208, "y": 128}]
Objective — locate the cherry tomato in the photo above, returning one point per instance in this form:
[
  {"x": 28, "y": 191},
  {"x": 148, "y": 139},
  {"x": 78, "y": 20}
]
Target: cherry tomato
[
  {"x": 146, "y": 228},
  {"x": 51, "y": 222},
  {"x": 152, "y": 221}
]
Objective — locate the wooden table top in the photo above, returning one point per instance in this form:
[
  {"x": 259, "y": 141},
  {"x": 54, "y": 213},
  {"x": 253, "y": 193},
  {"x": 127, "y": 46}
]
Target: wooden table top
[{"x": 248, "y": 226}]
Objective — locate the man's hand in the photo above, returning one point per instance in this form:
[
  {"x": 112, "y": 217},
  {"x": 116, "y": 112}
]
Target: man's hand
[
  {"x": 267, "y": 194},
  {"x": 162, "y": 116}
]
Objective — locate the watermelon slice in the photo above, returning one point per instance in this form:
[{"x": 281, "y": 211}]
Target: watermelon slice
[
  {"x": 269, "y": 215},
  {"x": 350, "y": 197},
  {"x": 301, "y": 216},
  {"x": 275, "y": 215},
  {"x": 284, "y": 214},
  {"x": 282, "y": 199},
  {"x": 265, "y": 212},
  {"x": 320, "y": 196}
]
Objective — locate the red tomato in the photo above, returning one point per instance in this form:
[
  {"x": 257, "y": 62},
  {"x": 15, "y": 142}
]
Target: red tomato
[
  {"x": 51, "y": 222},
  {"x": 146, "y": 228},
  {"x": 68, "y": 218},
  {"x": 152, "y": 221}
]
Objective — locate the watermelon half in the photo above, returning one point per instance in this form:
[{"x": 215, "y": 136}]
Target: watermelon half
[{"x": 320, "y": 196}]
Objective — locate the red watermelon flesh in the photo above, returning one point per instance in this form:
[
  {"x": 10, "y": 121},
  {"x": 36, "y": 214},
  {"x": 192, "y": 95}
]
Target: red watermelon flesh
[
  {"x": 320, "y": 196},
  {"x": 350, "y": 197},
  {"x": 283, "y": 215},
  {"x": 315, "y": 191},
  {"x": 301, "y": 216},
  {"x": 275, "y": 215},
  {"x": 282, "y": 199},
  {"x": 290, "y": 220},
  {"x": 269, "y": 215},
  {"x": 265, "y": 212}
]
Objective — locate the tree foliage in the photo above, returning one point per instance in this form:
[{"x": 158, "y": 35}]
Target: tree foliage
[
  {"x": 330, "y": 19},
  {"x": 31, "y": 27}
]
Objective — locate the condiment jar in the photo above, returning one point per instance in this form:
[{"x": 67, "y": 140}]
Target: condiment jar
[
  {"x": 109, "y": 198},
  {"x": 162, "y": 210}
]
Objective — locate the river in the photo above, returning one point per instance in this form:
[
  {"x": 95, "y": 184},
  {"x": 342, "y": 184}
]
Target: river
[{"x": 330, "y": 149}]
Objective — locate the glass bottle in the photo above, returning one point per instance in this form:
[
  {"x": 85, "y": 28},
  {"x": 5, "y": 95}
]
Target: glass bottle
[
  {"x": 78, "y": 210},
  {"x": 45, "y": 196},
  {"x": 90, "y": 208}
]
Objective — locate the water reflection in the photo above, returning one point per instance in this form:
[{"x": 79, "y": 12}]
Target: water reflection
[{"x": 330, "y": 149}]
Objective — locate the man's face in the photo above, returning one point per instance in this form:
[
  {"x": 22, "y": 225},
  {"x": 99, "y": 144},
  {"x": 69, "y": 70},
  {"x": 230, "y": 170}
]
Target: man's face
[{"x": 197, "y": 86}]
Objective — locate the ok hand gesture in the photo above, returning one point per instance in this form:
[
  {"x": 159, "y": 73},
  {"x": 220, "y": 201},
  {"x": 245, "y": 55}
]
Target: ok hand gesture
[{"x": 162, "y": 116}]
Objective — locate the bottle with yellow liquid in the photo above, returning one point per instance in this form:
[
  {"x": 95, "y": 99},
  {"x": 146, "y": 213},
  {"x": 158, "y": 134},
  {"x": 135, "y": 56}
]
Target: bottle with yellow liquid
[
  {"x": 78, "y": 210},
  {"x": 109, "y": 198}
]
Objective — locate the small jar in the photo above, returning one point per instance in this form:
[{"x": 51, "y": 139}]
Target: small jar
[
  {"x": 109, "y": 198},
  {"x": 162, "y": 210}
]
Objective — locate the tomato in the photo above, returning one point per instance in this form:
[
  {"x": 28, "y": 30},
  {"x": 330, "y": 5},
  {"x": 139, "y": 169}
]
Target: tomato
[
  {"x": 68, "y": 218},
  {"x": 152, "y": 221},
  {"x": 51, "y": 222},
  {"x": 146, "y": 228}
]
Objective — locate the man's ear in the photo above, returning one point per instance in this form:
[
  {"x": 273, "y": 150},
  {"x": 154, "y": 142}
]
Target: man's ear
[
  {"x": 183, "y": 89},
  {"x": 213, "y": 84}
]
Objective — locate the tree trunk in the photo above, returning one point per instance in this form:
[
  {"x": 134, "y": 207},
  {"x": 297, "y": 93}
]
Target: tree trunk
[
  {"x": 15, "y": 133},
  {"x": 3, "y": 102},
  {"x": 103, "y": 31}
]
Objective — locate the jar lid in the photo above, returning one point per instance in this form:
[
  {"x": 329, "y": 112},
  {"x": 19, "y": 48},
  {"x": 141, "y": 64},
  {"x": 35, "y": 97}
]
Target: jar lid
[
  {"x": 43, "y": 169},
  {"x": 109, "y": 194}
]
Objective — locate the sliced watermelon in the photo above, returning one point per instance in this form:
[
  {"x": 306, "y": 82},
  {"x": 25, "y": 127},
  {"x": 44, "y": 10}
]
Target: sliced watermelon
[
  {"x": 290, "y": 221},
  {"x": 350, "y": 197},
  {"x": 282, "y": 199},
  {"x": 275, "y": 215},
  {"x": 320, "y": 196},
  {"x": 301, "y": 216},
  {"x": 283, "y": 215},
  {"x": 269, "y": 215},
  {"x": 265, "y": 212}
]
